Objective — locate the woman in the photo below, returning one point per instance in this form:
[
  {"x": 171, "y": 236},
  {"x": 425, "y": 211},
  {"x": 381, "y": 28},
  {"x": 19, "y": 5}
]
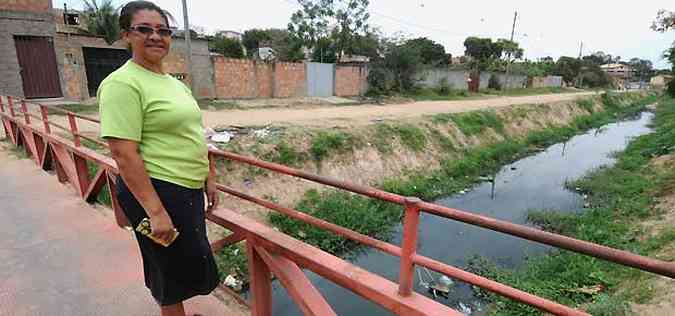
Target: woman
[{"x": 154, "y": 128}]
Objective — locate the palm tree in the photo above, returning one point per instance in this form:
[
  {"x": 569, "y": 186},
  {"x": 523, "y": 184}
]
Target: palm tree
[{"x": 101, "y": 19}]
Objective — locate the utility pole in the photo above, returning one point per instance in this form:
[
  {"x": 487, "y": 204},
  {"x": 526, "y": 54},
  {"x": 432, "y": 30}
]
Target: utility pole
[
  {"x": 581, "y": 50},
  {"x": 188, "y": 47},
  {"x": 513, "y": 29},
  {"x": 508, "y": 55}
]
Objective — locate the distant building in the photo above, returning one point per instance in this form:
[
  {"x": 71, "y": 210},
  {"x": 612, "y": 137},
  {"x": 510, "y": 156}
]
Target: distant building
[
  {"x": 660, "y": 81},
  {"x": 459, "y": 60},
  {"x": 618, "y": 70},
  {"x": 354, "y": 59},
  {"x": 621, "y": 74},
  {"x": 231, "y": 34}
]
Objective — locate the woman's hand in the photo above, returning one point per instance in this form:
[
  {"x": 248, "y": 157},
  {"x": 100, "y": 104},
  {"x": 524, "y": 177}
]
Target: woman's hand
[
  {"x": 162, "y": 226},
  {"x": 211, "y": 194}
]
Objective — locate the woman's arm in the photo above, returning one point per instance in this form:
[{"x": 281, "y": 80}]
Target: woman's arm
[
  {"x": 211, "y": 189},
  {"x": 132, "y": 169}
]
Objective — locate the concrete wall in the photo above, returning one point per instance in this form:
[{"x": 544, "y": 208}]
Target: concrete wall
[
  {"x": 72, "y": 68},
  {"x": 74, "y": 77},
  {"x": 457, "y": 79},
  {"x": 202, "y": 67},
  {"x": 20, "y": 23},
  {"x": 545, "y": 82}
]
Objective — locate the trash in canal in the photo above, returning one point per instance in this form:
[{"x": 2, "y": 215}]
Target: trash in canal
[{"x": 440, "y": 287}]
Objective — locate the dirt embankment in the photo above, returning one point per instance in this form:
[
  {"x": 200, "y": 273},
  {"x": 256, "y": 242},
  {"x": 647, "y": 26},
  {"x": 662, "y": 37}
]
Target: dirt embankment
[{"x": 663, "y": 302}]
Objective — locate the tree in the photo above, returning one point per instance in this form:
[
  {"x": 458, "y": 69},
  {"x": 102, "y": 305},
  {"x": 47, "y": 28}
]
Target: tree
[
  {"x": 348, "y": 17},
  {"x": 665, "y": 20},
  {"x": 287, "y": 47},
  {"x": 252, "y": 40},
  {"x": 568, "y": 68},
  {"x": 395, "y": 69},
  {"x": 483, "y": 52},
  {"x": 366, "y": 45},
  {"x": 229, "y": 47},
  {"x": 403, "y": 61},
  {"x": 510, "y": 49},
  {"x": 102, "y": 19},
  {"x": 643, "y": 68},
  {"x": 432, "y": 53},
  {"x": 325, "y": 51}
]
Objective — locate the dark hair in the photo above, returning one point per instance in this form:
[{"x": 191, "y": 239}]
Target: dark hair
[{"x": 129, "y": 9}]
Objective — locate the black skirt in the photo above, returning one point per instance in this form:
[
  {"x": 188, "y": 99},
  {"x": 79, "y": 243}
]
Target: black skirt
[{"x": 186, "y": 268}]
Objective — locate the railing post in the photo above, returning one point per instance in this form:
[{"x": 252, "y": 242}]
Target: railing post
[
  {"x": 24, "y": 109},
  {"x": 73, "y": 129},
  {"x": 45, "y": 119},
  {"x": 411, "y": 222},
  {"x": 261, "y": 280},
  {"x": 10, "y": 103}
]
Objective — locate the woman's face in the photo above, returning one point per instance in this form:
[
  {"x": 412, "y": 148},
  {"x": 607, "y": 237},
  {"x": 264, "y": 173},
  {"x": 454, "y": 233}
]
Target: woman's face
[{"x": 149, "y": 36}]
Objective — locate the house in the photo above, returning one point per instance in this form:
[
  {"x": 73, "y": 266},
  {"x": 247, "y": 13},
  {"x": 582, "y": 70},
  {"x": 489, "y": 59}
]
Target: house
[
  {"x": 660, "y": 81},
  {"x": 621, "y": 74},
  {"x": 231, "y": 34},
  {"x": 28, "y": 63},
  {"x": 48, "y": 53},
  {"x": 618, "y": 70}
]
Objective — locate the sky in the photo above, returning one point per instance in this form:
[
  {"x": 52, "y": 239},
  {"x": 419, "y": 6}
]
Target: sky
[{"x": 543, "y": 28}]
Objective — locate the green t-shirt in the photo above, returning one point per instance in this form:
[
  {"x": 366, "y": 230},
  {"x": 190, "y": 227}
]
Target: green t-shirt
[{"x": 159, "y": 113}]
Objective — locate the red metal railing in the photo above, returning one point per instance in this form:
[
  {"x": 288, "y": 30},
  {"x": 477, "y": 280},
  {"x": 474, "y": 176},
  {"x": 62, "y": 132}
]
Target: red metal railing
[{"x": 272, "y": 252}]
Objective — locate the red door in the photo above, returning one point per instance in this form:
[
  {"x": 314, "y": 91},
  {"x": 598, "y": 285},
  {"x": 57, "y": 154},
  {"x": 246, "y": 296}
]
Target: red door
[{"x": 38, "y": 66}]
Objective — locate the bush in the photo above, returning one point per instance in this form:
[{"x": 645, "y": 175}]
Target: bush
[
  {"x": 444, "y": 87},
  {"x": 671, "y": 88},
  {"x": 494, "y": 83},
  {"x": 325, "y": 143}
]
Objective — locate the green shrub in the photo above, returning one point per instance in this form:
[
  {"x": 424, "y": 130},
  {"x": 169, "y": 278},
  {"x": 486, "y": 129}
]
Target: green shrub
[
  {"x": 493, "y": 82},
  {"x": 671, "y": 88},
  {"x": 586, "y": 104},
  {"x": 325, "y": 143},
  {"x": 444, "y": 87},
  {"x": 472, "y": 123},
  {"x": 286, "y": 154}
]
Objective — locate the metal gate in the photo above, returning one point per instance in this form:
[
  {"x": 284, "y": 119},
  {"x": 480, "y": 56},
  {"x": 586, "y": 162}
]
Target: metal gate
[
  {"x": 37, "y": 62},
  {"x": 100, "y": 62},
  {"x": 320, "y": 79}
]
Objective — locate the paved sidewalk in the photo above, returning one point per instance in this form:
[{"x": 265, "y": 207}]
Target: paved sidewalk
[{"x": 60, "y": 256}]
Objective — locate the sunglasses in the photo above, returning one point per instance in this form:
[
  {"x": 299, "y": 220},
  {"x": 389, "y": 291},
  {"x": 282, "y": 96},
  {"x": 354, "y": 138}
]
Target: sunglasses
[{"x": 148, "y": 30}]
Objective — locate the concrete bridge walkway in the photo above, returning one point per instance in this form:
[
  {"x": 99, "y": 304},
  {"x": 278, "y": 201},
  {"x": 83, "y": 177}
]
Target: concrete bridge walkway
[{"x": 60, "y": 256}]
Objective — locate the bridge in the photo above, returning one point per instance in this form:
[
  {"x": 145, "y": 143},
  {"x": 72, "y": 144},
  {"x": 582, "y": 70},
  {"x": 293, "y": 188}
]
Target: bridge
[{"x": 269, "y": 252}]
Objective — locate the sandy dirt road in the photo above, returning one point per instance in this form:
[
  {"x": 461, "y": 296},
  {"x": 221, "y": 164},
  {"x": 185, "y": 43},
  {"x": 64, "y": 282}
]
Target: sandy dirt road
[
  {"x": 364, "y": 114},
  {"x": 346, "y": 116}
]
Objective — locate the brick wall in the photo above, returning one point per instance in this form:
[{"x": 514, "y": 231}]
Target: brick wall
[
  {"x": 18, "y": 23},
  {"x": 34, "y": 6},
  {"x": 290, "y": 80},
  {"x": 243, "y": 79},
  {"x": 350, "y": 80}
]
